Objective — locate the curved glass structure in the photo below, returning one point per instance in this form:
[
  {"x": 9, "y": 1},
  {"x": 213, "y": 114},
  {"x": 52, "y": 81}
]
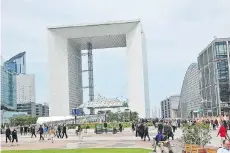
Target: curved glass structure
[
  {"x": 190, "y": 96},
  {"x": 214, "y": 77},
  {"x": 17, "y": 63}
]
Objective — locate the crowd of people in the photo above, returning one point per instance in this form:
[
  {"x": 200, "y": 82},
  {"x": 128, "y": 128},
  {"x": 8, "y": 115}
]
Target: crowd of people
[{"x": 44, "y": 131}]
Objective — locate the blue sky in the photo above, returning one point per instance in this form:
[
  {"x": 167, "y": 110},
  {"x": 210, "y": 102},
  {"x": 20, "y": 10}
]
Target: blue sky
[{"x": 176, "y": 31}]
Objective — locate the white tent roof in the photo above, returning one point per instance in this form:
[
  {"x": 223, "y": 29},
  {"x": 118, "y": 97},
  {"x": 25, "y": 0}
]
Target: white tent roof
[{"x": 42, "y": 120}]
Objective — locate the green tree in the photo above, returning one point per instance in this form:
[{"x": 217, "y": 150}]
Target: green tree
[{"x": 23, "y": 120}]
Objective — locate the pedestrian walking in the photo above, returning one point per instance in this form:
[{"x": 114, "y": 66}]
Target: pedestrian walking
[
  {"x": 64, "y": 132},
  {"x": 59, "y": 132},
  {"x": 14, "y": 136},
  {"x": 80, "y": 132},
  {"x": 52, "y": 133},
  {"x": 174, "y": 126},
  {"x": 21, "y": 129},
  {"x": 146, "y": 132},
  {"x": 223, "y": 134},
  {"x": 33, "y": 132},
  {"x": 8, "y": 133},
  {"x": 41, "y": 131}
]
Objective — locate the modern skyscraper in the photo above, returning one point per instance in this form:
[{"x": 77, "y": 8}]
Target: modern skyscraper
[
  {"x": 190, "y": 99},
  {"x": 17, "y": 63},
  {"x": 8, "y": 89},
  {"x": 169, "y": 107},
  {"x": 214, "y": 73},
  {"x": 25, "y": 88}
]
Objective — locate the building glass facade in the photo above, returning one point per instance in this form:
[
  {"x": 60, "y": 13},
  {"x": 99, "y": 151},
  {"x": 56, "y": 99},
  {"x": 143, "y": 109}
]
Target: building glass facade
[
  {"x": 214, "y": 81},
  {"x": 29, "y": 107},
  {"x": 190, "y": 94},
  {"x": 8, "y": 89},
  {"x": 17, "y": 63}
]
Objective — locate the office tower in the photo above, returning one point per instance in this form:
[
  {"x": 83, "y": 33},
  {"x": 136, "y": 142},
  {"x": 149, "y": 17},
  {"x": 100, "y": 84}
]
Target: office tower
[
  {"x": 8, "y": 89},
  {"x": 25, "y": 88},
  {"x": 213, "y": 63},
  {"x": 190, "y": 99}
]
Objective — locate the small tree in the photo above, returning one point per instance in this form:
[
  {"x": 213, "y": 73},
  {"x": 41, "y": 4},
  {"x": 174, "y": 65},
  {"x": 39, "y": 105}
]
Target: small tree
[{"x": 199, "y": 134}]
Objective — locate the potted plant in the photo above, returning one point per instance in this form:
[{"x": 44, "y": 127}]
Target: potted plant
[{"x": 196, "y": 136}]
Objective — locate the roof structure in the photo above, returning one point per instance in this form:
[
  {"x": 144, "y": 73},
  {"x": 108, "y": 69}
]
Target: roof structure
[
  {"x": 19, "y": 55},
  {"x": 102, "y": 102},
  {"x": 100, "y": 35}
]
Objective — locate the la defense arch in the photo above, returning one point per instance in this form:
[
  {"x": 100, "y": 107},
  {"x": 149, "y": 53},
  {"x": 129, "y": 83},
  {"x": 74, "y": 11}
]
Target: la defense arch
[{"x": 65, "y": 45}]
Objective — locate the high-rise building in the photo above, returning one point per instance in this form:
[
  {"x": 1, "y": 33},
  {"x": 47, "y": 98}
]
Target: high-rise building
[
  {"x": 8, "y": 89},
  {"x": 17, "y": 63},
  {"x": 29, "y": 107},
  {"x": 190, "y": 99},
  {"x": 213, "y": 64},
  {"x": 169, "y": 107},
  {"x": 25, "y": 88}
]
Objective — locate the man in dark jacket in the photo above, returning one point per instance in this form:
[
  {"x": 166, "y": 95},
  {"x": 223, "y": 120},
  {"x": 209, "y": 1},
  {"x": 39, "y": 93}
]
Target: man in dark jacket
[
  {"x": 105, "y": 126},
  {"x": 21, "y": 129},
  {"x": 160, "y": 127},
  {"x": 40, "y": 130},
  {"x": 168, "y": 131},
  {"x": 33, "y": 131},
  {"x": 8, "y": 133},
  {"x": 141, "y": 130},
  {"x": 64, "y": 132},
  {"x": 146, "y": 132},
  {"x": 14, "y": 136},
  {"x": 59, "y": 132}
]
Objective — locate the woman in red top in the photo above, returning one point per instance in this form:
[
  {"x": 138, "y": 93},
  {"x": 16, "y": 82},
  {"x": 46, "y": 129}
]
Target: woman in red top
[{"x": 223, "y": 133}]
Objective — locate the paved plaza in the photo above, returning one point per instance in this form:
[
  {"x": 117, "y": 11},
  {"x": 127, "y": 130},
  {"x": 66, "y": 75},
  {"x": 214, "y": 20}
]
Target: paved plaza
[{"x": 126, "y": 139}]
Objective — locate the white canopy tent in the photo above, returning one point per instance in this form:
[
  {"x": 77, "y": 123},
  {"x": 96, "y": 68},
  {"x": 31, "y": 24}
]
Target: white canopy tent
[{"x": 43, "y": 120}]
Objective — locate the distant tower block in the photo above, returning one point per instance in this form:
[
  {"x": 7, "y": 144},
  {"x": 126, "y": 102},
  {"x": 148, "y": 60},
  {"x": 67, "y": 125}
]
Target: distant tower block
[{"x": 65, "y": 63}]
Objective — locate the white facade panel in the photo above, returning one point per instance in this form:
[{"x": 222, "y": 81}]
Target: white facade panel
[
  {"x": 25, "y": 88},
  {"x": 136, "y": 84},
  {"x": 59, "y": 81},
  {"x": 75, "y": 77}
]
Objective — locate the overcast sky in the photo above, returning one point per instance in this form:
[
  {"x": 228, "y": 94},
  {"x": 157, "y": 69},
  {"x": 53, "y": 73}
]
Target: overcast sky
[{"x": 176, "y": 31}]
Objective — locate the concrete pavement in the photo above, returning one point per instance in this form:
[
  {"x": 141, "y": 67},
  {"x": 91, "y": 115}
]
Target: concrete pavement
[{"x": 126, "y": 139}]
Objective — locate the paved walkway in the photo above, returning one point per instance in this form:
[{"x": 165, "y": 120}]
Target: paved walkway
[{"x": 125, "y": 139}]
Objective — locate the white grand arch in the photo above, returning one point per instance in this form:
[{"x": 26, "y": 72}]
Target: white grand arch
[{"x": 65, "y": 44}]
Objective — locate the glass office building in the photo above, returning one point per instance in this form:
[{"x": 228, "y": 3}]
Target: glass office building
[
  {"x": 214, "y": 74},
  {"x": 17, "y": 63},
  {"x": 8, "y": 89},
  {"x": 190, "y": 100}
]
